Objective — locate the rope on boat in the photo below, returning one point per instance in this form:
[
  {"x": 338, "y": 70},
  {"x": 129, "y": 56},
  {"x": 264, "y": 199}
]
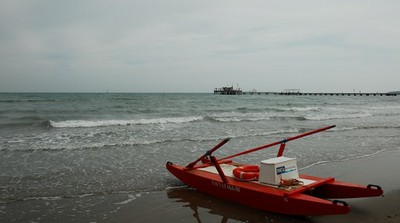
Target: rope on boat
[{"x": 290, "y": 182}]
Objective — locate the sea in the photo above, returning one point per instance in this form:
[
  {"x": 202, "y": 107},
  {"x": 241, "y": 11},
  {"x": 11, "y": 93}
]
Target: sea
[{"x": 56, "y": 146}]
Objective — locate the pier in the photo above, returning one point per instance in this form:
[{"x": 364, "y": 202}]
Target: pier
[
  {"x": 319, "y": 94},
  {"x": 296, "y": 92}
]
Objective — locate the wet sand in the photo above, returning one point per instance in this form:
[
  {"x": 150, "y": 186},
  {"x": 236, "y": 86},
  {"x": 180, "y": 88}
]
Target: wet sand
[{"x": 188, "y": 205}]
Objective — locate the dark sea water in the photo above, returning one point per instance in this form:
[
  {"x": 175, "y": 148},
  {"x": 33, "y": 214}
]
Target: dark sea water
[{"x": 58, "y": 146}]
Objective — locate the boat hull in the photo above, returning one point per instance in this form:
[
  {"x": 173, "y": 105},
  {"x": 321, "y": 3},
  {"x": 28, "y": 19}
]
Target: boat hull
[
  {"x": 273, "y": 199},
  {"x": 307, "y": 196},
  {"x": 338, "y": 189}
]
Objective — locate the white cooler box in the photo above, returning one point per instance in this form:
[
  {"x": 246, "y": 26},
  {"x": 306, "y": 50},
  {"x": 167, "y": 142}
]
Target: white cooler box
[{"x": 274, "y": 169}]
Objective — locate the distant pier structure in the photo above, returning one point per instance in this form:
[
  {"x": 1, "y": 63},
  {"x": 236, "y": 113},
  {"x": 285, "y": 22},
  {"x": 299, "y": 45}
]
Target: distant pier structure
[
  {"x": 228, "y": 91},
  {"x": 296, "y": 92}
]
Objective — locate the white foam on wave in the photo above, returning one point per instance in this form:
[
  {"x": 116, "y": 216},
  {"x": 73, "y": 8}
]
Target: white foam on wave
[
  {"x": 342, "y": 129},
  {"x": 239, "y": 117},
  {"x": 103, "y": 123},
  {"x": 130, "y": 198},
  {"x": 314, "y": 164},
  {"x": 319, "y": 117},
  {"x": 277, "y": 132},
  {"x": 302, "y": 109}
]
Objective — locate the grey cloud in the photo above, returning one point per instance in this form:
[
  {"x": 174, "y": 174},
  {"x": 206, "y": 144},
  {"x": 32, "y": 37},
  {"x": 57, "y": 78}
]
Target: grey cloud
[{"x": 156, "y": 46}]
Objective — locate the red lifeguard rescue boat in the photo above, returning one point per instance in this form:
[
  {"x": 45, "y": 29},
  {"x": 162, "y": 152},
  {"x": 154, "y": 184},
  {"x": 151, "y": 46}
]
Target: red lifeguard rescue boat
[{"x": 274, "y": 186}]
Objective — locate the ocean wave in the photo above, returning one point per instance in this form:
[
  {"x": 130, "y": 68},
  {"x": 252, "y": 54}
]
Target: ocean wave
[
  {"x": 27, "y": 100},
  {"x": 301, "y": 109},
  {"x": 347, "y": 159},
  {"x": 238, "y": 119},
  {"x": 261, "y": 109},
  {"x": 277, "y": 132},
  {"x": 376, "y": 127},
  {"x": 315, "y": 164},
  {"x": 279, "y": 109},
  {"x": 104, "y": 123},
  {"x": 96, "y": 145},
  {"x": 343, "y": 129},
  {"x": 256, "y": 119},
  {"x": 251, "y": 117},
  {"x": 352, "y": 128},
  {"x": 320, "y": 117},
  {"x": 131, "y": 194},
  {"x": 24, "y": 122}
]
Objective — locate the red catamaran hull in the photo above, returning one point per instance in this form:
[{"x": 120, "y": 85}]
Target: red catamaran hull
[{"x": 299, "y": 201}]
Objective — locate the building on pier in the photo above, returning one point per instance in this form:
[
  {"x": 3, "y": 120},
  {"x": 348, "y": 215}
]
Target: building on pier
[{"x": 228, "y": 91}]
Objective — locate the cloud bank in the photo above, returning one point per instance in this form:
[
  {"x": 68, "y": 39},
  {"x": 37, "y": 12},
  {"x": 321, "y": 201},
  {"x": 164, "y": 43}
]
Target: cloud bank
[{"x": 194, "y": 46}]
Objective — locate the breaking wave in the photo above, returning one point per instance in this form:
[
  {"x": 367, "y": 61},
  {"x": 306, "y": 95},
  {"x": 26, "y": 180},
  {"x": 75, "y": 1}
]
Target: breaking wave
[
  {"x": 278, "y": 109},
  {"x": 226, "y": 118},
  {"x": 104, "y": 123},
  {"x": 238, "y": 119},
  {"x": 44, "y": 145}
]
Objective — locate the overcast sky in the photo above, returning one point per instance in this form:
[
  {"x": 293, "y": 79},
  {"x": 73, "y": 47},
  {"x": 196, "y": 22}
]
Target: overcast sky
[{"x": 195, "y": 46}]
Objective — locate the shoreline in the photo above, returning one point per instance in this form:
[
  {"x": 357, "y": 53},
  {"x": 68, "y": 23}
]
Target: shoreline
[{"x": 183, "y": 204}]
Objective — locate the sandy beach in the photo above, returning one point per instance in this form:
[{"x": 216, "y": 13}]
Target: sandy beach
[
  {"x": 183, "y": 204},
  {"x": 187, "y": 205}
]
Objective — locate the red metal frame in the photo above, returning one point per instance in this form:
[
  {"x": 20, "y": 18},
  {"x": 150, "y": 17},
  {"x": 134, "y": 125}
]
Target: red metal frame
[
  {"x": 218, "y": 167},
  {"x": 279, "y": 142},
  {"x": 281, "y": 149}
]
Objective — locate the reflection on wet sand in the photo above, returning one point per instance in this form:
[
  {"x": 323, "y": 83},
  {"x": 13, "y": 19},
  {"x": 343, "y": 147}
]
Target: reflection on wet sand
[{"x": 204, "y": 206}]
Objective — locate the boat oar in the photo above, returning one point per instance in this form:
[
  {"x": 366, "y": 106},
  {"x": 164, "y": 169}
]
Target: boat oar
[
  {"x": 279, "y": 142},
  {"x": 208, "y": 153}
]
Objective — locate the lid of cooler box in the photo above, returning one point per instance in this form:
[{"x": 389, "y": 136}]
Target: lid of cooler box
[{"x": 277, "y": 160}]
